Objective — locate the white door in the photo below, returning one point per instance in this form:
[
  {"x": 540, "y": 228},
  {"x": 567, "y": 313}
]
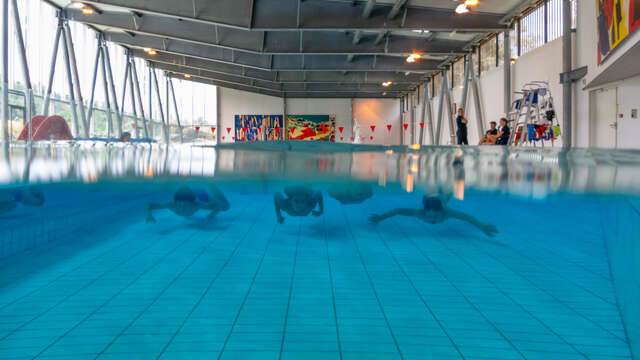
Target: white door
[{"x": 604, "y": 122}]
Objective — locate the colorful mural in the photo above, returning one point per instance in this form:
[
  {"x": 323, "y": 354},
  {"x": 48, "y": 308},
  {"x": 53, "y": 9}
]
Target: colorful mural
[
  {"x": 311, "y": 127},
  {"x": 259, "y": 127},
  {"x": 616, "y": 19}
]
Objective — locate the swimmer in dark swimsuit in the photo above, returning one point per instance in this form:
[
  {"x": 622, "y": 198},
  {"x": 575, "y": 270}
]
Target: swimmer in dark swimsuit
[
  {"x": 434, "y": 211},
  {"x": 300, "y": 201},
  {"x": 352, "y": 193},
  {"x": 186, "y": 202},
  {"x": 27, "y": 196}
]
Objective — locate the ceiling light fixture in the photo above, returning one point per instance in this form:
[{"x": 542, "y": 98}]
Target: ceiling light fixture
[
  {"x": 471, "y": 2},
  {"x": 462, "y": 9},
  {"x": 386, "y": 83},
  {"x": 152, "y": 52},
  {"x": 87, "y": 10},
  {"x": 187, "y": 76}
]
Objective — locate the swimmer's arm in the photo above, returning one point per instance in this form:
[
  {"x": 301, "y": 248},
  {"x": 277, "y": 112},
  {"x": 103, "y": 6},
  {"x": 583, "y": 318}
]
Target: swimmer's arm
[
  {"x": 488, "y": 229},
  {"x": 317, "y": 196},
  {"x": 278, "y": 200},
  {"x": 377, "y": 218},
  {"x": 151, "y": 207}
]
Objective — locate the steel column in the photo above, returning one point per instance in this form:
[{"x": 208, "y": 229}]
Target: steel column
[
  {"x": 133, "y": 100},
  {"x": 412, "y": 117},
  {"x": 507, "y": 72},
  {"x": 150, "y": 98},
  {"x": 429, "y": 112},
  {"x": 136, "y": 88},
  {"x": 175, "y": 106},
  {"x": 112, "y": 87},
  {"x": 4, "y": 86},
  {"x": 72, "y": 98},
  {"x": 465, "y": 89},
  {"x": 476, "y": 99},
  {"x": 424, "y": 107},
  {"x": 452, "y": 133},
  {"x": 125, "y": 82},
  {"x": 440, "y": 109},
  {"x": 29, "y": 105},
  {"x": 165, "y": 127},
  {"x": 96, "y": 65},
  {"x": 52, "y": 70},
  {"x": 106, "y": 92},
  {"x": 74, "y": 69},
  {"x": 567, "y": 85}
]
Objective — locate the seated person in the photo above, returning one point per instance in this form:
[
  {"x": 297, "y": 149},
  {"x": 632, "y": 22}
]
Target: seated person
[
  {"x": 125, "y": 137},
  {"x": 186, "y": 202},
  {"x": 486, "y": 140},
  {"x": 435, "y": 211},
  {"x": 27, "y": 196},
  {"x": 502, "y": 138},
  {"x": 300, "y": 201},
  {"x": 351, "y": 193}
]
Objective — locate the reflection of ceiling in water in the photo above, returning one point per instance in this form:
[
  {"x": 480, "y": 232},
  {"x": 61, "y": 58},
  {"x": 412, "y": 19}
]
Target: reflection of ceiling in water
[{"x": 523, "y": 171}]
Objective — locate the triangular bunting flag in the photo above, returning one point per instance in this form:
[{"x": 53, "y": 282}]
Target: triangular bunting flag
[
  {"x": 373, "y": 128},
  {"x": 292, "y": 130},
  {"x": 389, "y": 127},
  {"x": 421, "y": 125},
  {"x": 341, "y": 128},
  {"x": 405, "y": 126},
  {"x": 228, "y": 130},
  {"x": 213, "y": 129},
  {"x": 371, "y": 137},
  {"x": 197, "y": 128}
]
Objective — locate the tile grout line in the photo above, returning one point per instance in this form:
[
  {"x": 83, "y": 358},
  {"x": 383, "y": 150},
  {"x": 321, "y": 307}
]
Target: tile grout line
[
  {"x": 333, "y": 294},
  {"x": 293, "y": 277}
]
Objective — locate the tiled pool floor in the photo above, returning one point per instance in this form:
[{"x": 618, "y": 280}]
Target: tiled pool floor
[{"x": 329, "y": 287}]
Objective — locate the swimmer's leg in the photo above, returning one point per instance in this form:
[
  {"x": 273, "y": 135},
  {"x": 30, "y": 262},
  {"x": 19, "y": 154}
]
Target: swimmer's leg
[
  {"x": 488, "y": 229},
  {"x": 154, "y": 206},
  {"x": 317, "y": 199},
  {"x": 279, "y": 202}
]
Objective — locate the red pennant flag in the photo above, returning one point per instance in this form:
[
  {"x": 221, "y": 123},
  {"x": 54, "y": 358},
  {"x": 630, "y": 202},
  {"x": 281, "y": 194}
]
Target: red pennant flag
[
  {"x": 197, "y": 128},
  {"x": 371, "y": 137},
  {"x": 233, "y": 138},
  {"x": 352, "y": 138},
  {"x": 292, "y": 130},
  {"x": 341, "y": 138},
  {"x": 373, "y": 128},
  {"x": 421, "y": 125},
  {"x": 244, "y": 130},
  {"x": 341, "y": 128},
  {"x": 389, "y": 127},
  {"x": 228, "y": 130},
  {"x": 222, "y": 137},
  {"x": 405, "y": 126},
  {"x": 213, "y": 129}
]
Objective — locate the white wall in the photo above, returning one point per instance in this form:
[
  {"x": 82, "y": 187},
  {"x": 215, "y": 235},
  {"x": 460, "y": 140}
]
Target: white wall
[
  {"x": 235, "y": 102},
  {"x": 379, "y": 113},
  {"x": 366, "y": 112}
]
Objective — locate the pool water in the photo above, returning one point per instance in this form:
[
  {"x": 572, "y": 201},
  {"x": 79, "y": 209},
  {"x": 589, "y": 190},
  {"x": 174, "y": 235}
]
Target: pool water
[{"x": 84, "y": 276}]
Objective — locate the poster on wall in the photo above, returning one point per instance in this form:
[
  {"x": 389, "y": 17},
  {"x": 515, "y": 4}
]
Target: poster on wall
[
  {"x": 311, "y": 127},
  {"x": 259, "y": 127},
  {"x": 616, "y": 19}
]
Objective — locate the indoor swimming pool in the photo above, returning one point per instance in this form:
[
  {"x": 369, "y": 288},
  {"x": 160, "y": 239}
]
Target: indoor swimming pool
[{"x": 146, "y": 252}]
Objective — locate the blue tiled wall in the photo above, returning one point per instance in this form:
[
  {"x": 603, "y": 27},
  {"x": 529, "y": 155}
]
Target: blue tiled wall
[{"x": 622, "y": 229}]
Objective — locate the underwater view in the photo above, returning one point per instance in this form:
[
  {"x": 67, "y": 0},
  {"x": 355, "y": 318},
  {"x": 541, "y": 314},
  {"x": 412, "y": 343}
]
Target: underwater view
[{"x": 312, "y": 251}]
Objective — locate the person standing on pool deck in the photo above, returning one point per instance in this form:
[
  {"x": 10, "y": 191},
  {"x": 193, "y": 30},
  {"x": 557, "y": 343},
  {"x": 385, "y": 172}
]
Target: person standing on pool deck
[
  {"x": 300, "y": 201},
  {"x": 186, "y": 202},
  {"x": 435, "y": 211},
  {"x": 461, "y": 122}
]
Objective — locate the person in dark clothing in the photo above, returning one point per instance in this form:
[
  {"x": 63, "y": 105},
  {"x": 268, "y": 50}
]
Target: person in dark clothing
[
  {"x": 502, "y": 138},
  {"x": 486, "y": 139},
  {"x": 461, "y": 122},
  {"x": 187, "y": 202},
  {"x": 300, "y": 200}
]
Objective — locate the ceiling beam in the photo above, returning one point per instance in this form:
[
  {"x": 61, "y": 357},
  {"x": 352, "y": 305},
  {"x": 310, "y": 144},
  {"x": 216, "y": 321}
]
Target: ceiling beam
[
  {"x": 284, "y": 15},
  {"x": 184, "y": 65},
  {"x": 287, "y": 42},
  {"x": 293, "y": 62},
  {"x": 368, "y": 8},
  {"x": 396, "y": 9}
]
